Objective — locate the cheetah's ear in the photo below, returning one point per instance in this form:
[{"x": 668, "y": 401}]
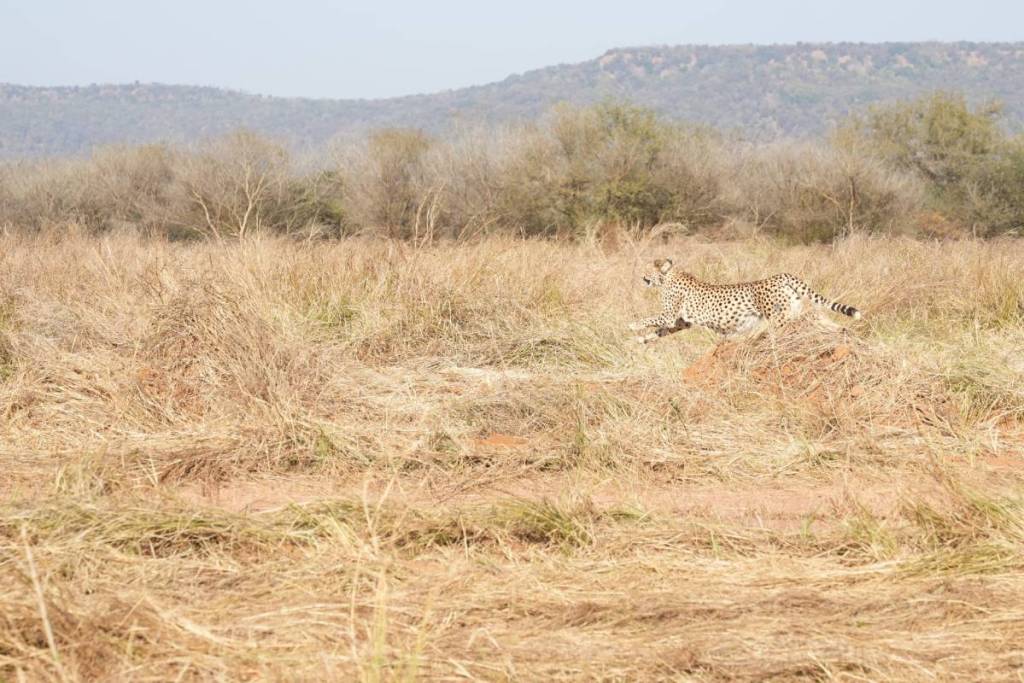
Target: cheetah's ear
[{"x": 664, "y": 265}]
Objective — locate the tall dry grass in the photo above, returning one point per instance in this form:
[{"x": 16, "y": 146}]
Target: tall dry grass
[
  {"x": 274, "y": 338},
  {"x": 364, "y": 459}
]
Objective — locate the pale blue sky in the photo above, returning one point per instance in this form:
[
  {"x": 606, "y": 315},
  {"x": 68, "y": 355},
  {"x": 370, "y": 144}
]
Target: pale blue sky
[{"x": 318, "y": 48}]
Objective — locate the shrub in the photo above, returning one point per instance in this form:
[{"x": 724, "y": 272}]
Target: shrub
[
  {"x": 693, "y": 169},
  {"x": 809, "y": 193},
  {"x": 995, "y": 195},
  {"x": 384, "y": 181},
  {"x": 938, "y": 135},
  {"x": 971, "y": 167},
  {"x": 612, "y": 163},
  {"x": 133, "y": 185},
  {"x": 460, "y": 185},
  {"x": 612, "y": 156},
  {"x": 37, "y": 195},
  {"x": 528, "y": 195},
  {"x": 242, "y": 184},
  {"x": 574, "y": 174},
  {"x": 229, "y": 187}
]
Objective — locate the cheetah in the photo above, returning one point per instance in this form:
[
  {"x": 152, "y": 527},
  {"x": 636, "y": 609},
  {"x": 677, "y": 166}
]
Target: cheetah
[{"x": 730, "y": 310}]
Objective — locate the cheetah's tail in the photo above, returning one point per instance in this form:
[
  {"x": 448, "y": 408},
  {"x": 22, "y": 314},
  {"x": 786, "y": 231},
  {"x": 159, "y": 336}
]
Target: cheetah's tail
[{"x": 822, "y": 302}]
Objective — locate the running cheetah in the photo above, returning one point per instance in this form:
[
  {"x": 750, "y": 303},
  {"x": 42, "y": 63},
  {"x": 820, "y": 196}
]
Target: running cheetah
[{"x": 730, "y": 310}]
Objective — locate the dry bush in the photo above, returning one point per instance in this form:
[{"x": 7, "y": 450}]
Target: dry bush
[
  {"x": 36, "y": 196},
  {"x": 244, "y": 184},
  {"x": 133, "y": 185},
  {"x": 115, "y": 187},
  {"x": 528, "y": 193},
  {"x": 693, "y": 171},
  {"x": 610, "y": 163},
  {"x": 385, "y": 187},
  {"x": 459, "y": 189},
  {"x": 613, "y": 165},
  {"x": 226, "y": 188},
  {"x": 809, "y": 193},
  {"x": 576, "y": 173}
]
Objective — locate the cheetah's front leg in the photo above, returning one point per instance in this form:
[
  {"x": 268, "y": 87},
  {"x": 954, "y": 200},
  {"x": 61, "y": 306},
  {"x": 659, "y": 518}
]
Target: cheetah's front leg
[
  {"x": 661, "y": 325},
  {"x": 656, "y": 321}
]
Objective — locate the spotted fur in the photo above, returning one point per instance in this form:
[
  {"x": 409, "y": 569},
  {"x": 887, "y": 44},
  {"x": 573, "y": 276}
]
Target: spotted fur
[{"x": 730, "y": 310}]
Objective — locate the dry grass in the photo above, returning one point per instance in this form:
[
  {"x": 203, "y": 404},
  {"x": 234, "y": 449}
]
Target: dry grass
[{"x": 359, "y": 459}]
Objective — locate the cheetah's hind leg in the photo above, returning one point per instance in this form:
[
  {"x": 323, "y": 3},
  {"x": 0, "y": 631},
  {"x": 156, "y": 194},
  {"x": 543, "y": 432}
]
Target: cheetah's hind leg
[
  {"x": 750, "y": 327},
  {"x": 825, "y": 321}
]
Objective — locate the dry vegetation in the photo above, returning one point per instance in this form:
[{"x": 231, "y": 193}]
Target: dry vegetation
[
  {"x": 360, "y": 459},
  {"x": 934, "y": 167}
]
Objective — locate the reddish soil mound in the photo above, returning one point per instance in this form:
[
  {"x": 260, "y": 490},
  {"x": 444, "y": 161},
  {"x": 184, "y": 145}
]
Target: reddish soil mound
[{"x": 806, "y": 360}]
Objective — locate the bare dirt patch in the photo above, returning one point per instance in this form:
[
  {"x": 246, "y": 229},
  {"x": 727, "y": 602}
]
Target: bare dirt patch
[
  {"x": 501, "y": 441},
  {"x": 258, "y": 495},
  {"x": 769, "y": 505}
]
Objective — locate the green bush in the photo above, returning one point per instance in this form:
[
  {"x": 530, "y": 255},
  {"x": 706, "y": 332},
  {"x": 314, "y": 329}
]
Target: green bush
[
  {"x": 612, "y": 157},
  {"x": 611, "y": 163},
  {"x": 995, "y": 195},
  {"x": 971, "y": 166}
]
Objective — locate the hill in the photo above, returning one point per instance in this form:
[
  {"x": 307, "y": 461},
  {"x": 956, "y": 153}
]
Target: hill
[{"x": 792, "y": 90}]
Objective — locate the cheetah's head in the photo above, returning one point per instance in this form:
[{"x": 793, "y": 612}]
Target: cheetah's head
[{"x": 657, "y": 277}]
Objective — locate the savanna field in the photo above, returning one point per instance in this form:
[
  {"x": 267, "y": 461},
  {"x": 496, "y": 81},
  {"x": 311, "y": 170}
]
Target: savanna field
[
  {"x": 363, "y": 459},
  {"x": 377, "y": 415}
]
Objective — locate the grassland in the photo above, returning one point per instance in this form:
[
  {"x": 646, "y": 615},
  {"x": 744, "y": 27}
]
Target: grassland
[{"x": 363, "y": 460}]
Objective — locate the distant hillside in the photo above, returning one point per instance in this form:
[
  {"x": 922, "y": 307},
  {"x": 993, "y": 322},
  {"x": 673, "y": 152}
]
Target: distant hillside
[{"x": 794, "y": 90}]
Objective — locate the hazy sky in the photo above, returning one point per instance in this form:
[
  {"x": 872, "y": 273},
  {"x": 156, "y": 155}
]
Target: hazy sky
[{"x": 318, "y": 48}]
